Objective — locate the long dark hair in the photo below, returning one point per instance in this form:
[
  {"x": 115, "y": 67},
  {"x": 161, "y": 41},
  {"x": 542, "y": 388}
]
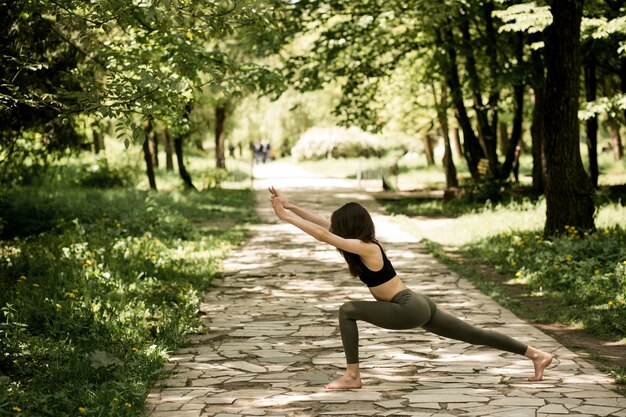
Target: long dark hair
[{"x": 352, "y": 221}]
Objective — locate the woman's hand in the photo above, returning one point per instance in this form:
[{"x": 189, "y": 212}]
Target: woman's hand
[
  {"x": 276, "y": 195},
  {"x": 278, "y": 207}
]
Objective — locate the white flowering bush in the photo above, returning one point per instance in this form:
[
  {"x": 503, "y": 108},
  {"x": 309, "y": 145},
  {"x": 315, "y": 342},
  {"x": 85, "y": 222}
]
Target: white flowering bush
[{"x": 337, "y": 142}]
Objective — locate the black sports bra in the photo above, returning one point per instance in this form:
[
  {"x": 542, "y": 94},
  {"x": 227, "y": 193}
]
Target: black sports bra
[{"x": 376, "y": 278}]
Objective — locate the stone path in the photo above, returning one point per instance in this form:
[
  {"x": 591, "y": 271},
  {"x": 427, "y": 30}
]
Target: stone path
[{"x": 273, "y": 340}]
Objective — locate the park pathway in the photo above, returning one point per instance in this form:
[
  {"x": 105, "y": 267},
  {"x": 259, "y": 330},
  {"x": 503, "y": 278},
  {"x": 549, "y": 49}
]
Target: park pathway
[{"x": 273, "y": 340}]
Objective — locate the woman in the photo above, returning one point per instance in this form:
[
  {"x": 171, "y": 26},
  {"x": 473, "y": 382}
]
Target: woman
[{"x": 351, "y": 231}]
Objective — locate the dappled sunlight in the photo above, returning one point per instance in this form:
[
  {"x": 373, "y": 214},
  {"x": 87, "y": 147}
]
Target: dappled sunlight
[{"x": 317, "y": 394}]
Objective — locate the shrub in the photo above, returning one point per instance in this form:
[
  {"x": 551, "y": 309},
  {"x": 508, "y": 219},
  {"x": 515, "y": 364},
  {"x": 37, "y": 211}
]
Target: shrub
[
  {"x": 585, "y": 270},
  {"x": 101, "y": 174},
  {"x": 91, "y": 303},
  {"x": 337, "y": 142}
]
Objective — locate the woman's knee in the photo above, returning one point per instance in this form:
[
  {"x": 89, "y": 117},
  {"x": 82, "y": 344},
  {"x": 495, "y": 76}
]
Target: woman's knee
[{"x": 347, "y": 310}]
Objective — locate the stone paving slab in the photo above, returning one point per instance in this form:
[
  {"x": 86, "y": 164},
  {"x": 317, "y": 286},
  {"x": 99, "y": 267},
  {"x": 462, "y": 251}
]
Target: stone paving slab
[{"x": 272, "y": 340}]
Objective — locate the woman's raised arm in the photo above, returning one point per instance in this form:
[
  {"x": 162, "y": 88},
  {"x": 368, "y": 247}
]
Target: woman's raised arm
[
  {"x": 299, "y": 211},
  {"x": 323, "y": 234}
]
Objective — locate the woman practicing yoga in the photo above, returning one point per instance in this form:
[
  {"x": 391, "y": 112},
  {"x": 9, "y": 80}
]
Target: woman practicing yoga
[{"x": 351, "y": 231}]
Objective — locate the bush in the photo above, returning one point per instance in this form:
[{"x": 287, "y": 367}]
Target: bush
[
  {"x": 337, "y": 142},
  {"x": 93, "y": 298},
  {"x": 101, "y": 175},
  {"x": 586, "y": 271}
]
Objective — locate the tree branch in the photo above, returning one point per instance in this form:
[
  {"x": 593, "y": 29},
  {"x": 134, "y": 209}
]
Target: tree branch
[{"x": 74, "y": 46}]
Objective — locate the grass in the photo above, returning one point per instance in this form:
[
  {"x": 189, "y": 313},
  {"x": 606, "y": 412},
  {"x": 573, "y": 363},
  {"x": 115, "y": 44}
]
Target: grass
[
  {"x": 543, "y": 306},
  {"x": 98, "y": 285}
]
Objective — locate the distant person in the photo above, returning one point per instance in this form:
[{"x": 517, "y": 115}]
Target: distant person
[
  {"x": 265, "y": 151},
  {"x": 257, "y": 151},
  {"x": 397, "y": 307}
]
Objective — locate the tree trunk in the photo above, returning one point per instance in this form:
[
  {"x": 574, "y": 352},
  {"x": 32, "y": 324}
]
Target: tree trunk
[
  {"x": 503, "y": 137},
  {"x": 513, "y": 150},
  {"x": 537, "y": 128},
  {"x": 471, "y": 147},
  {"x": 147, "y": 155},
  {"x": 220, "y": 133},
  {"x": 178, "y": 147},
  {"x": 511, "y": 160},
  {"x": 518, "y": 151},
  {"x": 428, "y": 149},
  {"x": 486, "y": 132},
  {"x": 448, "y": 163},
  {"x": 98, "y": 138},
  {"x": 442, "y": 117},
  {"x": 169, "y": 154},
  {"x": 494, "y": 69},
  {"x": 155, "y": 148},
  {"x": 456, "y": 142},
  {"x": 591, "y": 85},
  {"x": 622, "y": 76},
  {"x": 616, "y": 140},
  {"x": 568, "y": 189}
]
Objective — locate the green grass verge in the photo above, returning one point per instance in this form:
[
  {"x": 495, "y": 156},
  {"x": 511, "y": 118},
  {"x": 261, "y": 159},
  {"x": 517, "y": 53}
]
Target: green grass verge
[
  {"x": 556, "y": 313},
  {"x": 578, "y": 279},
  {"x": 97, "y": 286}
]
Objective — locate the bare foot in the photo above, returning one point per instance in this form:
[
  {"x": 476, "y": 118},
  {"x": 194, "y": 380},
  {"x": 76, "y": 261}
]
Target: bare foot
[
  {"x": 346, "y": 381},
  {"x": 540, "y": 362}
]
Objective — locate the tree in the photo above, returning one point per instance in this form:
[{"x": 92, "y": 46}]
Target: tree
[
  {"x": 471, "y": 147},
  {"x": 568, "y": 189},
  {"x": 537, "y": 128},
  {"x": 220, "y": 134},
  {"x": 512, "y": 148},
  {"x": 605, "y": 35},
  {"x": 148, "y": 153},
  {"x": 123, "y": 60},
  {"x": 361, "y": 44},
  {"x": 591, "y": 87},
  {"x": 37, "y": 89},
  {"x": 442, "y": 116}
]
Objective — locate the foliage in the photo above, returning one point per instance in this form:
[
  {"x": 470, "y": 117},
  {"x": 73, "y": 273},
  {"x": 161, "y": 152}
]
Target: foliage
[
  {"x": 336, "y": 142},
  {"x": 360, "y": 46},
  {"x": 102, "y": 174},
  {"x": 120, "y": 60},
  {"x": 604, "y": 28},
  {"x": 283, "y": 120},
  {"x": 36, "y": 80},
  {"x": 525, "y": 17},
  {"x": 588, "y": 271},
  {"x": 97, "y": 292}
]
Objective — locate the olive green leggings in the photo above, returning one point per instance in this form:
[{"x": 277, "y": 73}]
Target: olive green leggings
[{"x": 408, "y": 310}]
